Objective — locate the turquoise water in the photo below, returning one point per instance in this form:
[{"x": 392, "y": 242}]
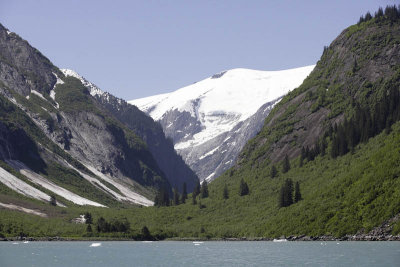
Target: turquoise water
[{"x": 205, "y": 254}]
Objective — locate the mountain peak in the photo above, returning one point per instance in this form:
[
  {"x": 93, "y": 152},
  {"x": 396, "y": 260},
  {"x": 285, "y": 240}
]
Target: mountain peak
[{"x": 94, "y": 89}]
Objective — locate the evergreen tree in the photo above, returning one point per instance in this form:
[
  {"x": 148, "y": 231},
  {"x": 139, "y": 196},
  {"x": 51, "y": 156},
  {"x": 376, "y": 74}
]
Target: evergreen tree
[
  {"x": 286, "y": 165},
  {"x": 204, "y": 189},
  {"x": 297, "y": 194},
  {"x": 286, "y": 194},
  {"x": 176, "y": 197},
  {"x": 194, "y": 201},
  {"x": 53, "y": 200},
  {"x": 197, "y": 189},
  {"x": 281, "y": 199},
  {"x": 368, "y": 16},
  {"x": 273, "y": 171},
  {"x": 243, "y": 188},
  {"x": 88, "y": 218},
  {"x": 225, "y": 193},
  {"x": 89, "y": 228},
  {"x": 146, "y": 234},
  {"x": 184, "y": 193},
  {"x": 162, "y": 198}
]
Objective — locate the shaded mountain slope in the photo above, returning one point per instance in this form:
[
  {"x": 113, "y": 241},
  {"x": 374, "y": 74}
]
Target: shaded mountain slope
[
  {"x": 175, "y": 169},
  {"x": 67, "y": 133}
]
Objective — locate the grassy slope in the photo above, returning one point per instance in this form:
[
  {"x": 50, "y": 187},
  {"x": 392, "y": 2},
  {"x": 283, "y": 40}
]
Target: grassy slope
[{"x": 340, "y": 196}]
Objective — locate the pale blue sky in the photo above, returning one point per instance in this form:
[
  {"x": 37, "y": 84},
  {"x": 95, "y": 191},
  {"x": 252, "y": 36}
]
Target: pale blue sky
[{"x": 135, "y": 49}]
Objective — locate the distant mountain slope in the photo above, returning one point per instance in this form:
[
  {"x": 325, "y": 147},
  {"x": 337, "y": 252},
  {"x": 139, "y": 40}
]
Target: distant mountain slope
[
  {"x": 74, "y": 147},
  {"x": 202, "y": 117},
  {"x": 162, "y": 149}
]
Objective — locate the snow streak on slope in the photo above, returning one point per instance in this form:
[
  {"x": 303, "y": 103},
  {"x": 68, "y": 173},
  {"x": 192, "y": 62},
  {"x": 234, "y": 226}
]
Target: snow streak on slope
[
  {"x": 21, "y": 187},
  {"x": 223, "y": 100},
  {"x": 19, "y": 208},
  {"x": 40, "y": 180}
]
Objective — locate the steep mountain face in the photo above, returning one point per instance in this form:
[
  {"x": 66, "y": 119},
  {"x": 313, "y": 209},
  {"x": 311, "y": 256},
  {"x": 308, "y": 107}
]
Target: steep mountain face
[
  {"x": 354, "y": 71},
  {"x": 162, "y": 149},
  {"x": 69, "y": 139},
  {"x": 211, "y": 120}
]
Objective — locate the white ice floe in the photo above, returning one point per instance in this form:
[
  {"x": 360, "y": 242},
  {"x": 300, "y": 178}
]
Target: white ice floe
[
  {"x": 40, "y": 180},
  {"x": 95, "y": 245},
  {"x": 19, "y": 208},
  {"x": 280, "y": 240}
]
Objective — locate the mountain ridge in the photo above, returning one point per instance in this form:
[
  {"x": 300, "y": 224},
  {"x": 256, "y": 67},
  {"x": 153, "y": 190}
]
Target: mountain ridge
[{"x": 195, "y": 115}]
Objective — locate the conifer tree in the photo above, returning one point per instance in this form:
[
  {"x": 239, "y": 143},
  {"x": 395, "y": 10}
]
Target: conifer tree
[
  {"x": 88, "y": 218},
  {"x": 194, "y": 201},
  {"x": 225, "y": 193},
  {"x": 288, "y": 192},
  {"x": 176, "y": 197},
  {"x": 197, "y": 188},
  {"x": 184, "y": 193},
  {"x": 204, "y": 189},
  {"x": 297, "y": 194},
  {"x": 146, "y": 233},
  {"x": 286, "y": 165},
  {"x": 273, "y": 171},
  {"x": 53, "y": 200},
  {"x": 243, "y": 188}
]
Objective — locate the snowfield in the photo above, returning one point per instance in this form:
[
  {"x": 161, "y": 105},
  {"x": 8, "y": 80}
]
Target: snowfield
[{"x": 222, "y": 101}]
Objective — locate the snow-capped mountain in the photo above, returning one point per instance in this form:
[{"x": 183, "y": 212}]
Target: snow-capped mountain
[{"x": 207, "y": 116}]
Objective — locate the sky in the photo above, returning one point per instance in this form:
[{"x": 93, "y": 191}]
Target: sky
[{"x": 135, "y": 49}]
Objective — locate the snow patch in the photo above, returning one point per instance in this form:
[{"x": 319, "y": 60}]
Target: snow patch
[
  {"x": 208, "y": 178},
  {"x": 94, "y": 90},
  {"x": 53, "y": 92},
  {"x": 209, "y": 153},
  {"x": 21, "y": 187},
  {"x": 129, "y": 194},
  {"x": 38, "y": 94},
  {"x": 19, "y": 208},
  {"x": 40, "y": 180},
  {"x": 8, "y": 32}
]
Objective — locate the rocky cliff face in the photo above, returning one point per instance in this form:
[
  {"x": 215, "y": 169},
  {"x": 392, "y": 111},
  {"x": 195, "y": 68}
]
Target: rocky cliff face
[
  {"x": 60, "y": 123},
  {"x": 162, "y": 149},
  {"x": 353, "y": 71},
  {"x": 211, "y": 120}
]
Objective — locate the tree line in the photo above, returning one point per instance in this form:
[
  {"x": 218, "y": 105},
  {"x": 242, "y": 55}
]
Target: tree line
[
  {"x": 391, "y": 13},
  {"x": 364, "y": 124}
]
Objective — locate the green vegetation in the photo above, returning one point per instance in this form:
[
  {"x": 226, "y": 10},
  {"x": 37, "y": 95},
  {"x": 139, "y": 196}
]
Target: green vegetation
[{"x": 349, "y": 178}]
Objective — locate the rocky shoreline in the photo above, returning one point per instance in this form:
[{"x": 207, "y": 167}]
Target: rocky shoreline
[{"x": 382, "y": 232}]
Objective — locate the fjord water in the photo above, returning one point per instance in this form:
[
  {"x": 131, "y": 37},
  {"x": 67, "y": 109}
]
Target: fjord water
[{"x": 203, "y": 254}]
